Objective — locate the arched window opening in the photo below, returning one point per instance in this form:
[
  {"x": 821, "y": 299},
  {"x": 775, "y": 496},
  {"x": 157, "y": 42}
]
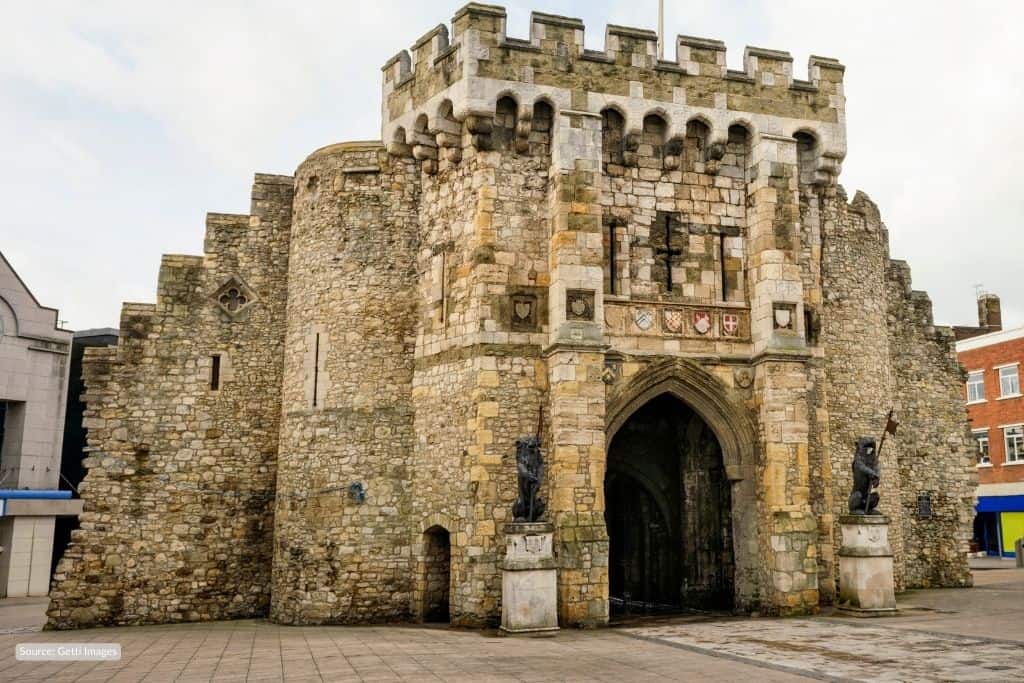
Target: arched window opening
[
  {"x": 505, "y": 120},
  {"x": 734, "y": 163},
  {"x": 652, "y": 142},
  {"x": 696, "y": 143},
  {"x": 806, "y": 156},
  {"x": 542, "y": 129},
  {"x": 613, "y": 128},
  {"x": 420, "y": 128}
]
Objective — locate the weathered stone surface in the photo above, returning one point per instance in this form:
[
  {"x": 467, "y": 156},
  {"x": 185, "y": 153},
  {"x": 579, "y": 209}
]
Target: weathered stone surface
[
  {"x": 541, "y": 231},
  {"x": 529, "y": 585},
  {"x": 866, "y": 583},
  {"x": 179, "y": 494}
]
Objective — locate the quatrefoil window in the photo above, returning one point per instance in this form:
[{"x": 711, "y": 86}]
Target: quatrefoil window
[{"x": 234, "y": 297}]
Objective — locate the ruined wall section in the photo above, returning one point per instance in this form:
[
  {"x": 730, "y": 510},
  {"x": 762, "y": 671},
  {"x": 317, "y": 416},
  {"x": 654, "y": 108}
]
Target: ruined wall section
[
  {"x": 341, "y": 541},
  {"x": 182, "y": 457},
  {"x": 936, "y": 464},
  {"x": 860, "y": 386}
]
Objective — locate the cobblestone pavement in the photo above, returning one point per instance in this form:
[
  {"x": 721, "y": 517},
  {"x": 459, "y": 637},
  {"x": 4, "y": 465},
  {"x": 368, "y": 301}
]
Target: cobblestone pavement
[{"x": 968, "y": 635}]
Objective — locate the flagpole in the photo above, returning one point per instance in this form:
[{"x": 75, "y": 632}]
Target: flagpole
[{"x": 661, "y": 29}]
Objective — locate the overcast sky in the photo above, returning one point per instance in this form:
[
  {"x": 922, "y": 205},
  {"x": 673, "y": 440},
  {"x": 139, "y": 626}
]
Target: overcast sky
[{"x": 123, "y": 123}]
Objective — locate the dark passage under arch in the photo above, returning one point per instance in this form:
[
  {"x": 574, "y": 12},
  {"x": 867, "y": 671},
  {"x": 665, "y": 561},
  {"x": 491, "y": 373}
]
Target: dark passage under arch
[
  {"x": 437, "y": 562},
  {"x": 668, "y": 512}
]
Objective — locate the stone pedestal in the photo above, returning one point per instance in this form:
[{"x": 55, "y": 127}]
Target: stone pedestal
[
  {"x": 529, "y": 588},
  {"x": 866, "y": 585}
]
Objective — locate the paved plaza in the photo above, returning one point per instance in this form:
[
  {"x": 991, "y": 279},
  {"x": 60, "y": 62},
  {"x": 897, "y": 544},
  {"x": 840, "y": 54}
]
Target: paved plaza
[{"x": 950, "y": 634}]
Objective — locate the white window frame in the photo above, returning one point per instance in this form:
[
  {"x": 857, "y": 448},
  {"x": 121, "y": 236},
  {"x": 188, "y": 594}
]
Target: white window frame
[
  {"x": 1014, "y": 381},
  {"x": 984, "y": 457},
  {"x": 981, "y": 374},
  {"x": 1014, "y": 455}
]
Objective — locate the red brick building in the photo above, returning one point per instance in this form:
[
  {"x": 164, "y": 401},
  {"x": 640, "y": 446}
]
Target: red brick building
[{"x": 995, "y": 406}]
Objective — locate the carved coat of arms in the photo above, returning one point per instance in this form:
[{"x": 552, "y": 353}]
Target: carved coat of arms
[
  {"x": 702, "y": 321},
  {"x": 673, "y": 320},
  {"x": 783, "y": 317},
  {"x": 730, "y": 324},
  {"x": 613, "y": 317},
  {"x": 579, "y": 304},
  {"x": 644, "y": 318},
  {"x": 523, "y": 309}
]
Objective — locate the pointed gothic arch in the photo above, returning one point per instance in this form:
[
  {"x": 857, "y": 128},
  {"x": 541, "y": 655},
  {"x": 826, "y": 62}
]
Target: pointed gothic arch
[
  {"x": 733, "y": 425},
  {"x": 728, "y": 418}
]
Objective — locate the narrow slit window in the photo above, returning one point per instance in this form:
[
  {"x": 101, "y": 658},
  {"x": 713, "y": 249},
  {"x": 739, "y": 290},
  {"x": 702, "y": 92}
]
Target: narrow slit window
[
  {"x": 214, "y": 373},
  {"x": 316, "y": 367},
  {"x": 613, "y": 257}
]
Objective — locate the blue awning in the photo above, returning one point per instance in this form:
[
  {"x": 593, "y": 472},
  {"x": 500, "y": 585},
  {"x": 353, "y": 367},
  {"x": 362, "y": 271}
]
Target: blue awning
[
  {"x": 51, "y": 494},
  {"x": 1000, "y": 504}
]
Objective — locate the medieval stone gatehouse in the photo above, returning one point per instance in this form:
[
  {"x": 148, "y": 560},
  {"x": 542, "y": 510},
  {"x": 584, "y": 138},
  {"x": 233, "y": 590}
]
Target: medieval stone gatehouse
[{"x": 651, "y": 261}]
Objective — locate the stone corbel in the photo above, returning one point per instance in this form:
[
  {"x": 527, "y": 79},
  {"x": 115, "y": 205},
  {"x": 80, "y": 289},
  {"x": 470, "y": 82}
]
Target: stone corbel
[
  {"x": 826, "y": 173},
  {"x": 399, "y": 149},
  {"x": 630, "y": 145},
  {"x": 425, "y": 151},
  {"x": 424, "y": 147},
  {"x": 673, "y": 154},
  {"x": 524, "y": 124},
  {"x": 480, "y": 127},
  {"x": 449, "y": 145},
  {"x": 715, "y": 153}
]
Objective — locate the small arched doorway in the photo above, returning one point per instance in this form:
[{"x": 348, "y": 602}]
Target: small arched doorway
[
  {"x": 437, "y": 562},
  {"x": 668, "y": 511}
]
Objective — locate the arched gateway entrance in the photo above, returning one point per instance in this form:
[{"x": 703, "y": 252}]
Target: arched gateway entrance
[
  {"x": 668, "y": 511},
  {"x": 678, "y": 450}
]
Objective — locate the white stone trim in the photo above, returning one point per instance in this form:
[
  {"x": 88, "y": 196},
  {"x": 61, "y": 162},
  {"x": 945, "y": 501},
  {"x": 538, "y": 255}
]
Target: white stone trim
[
  {"x": 1006, "y": 488},
  {"x": 990, "y": 339}
]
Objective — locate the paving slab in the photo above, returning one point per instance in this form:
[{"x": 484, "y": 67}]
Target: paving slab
[{"x": 948, "y": 634}]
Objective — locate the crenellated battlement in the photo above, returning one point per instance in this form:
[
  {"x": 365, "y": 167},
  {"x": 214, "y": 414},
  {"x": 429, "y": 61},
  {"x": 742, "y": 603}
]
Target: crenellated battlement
[{"x": 477, "y": 62}]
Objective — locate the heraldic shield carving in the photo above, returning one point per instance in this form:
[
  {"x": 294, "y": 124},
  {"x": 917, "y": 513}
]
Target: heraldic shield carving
[
  {"x": 730, "y": 324},
  {"x": 702, "y": 321},
  {"x": 644, "y": 318},
  {"x": 673, "y": 319}
]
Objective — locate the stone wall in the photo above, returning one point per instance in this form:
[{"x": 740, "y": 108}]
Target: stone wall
[
  {"x": 509, "y": 247},
  {"x": 860, "y": 383},
  {"x": 180, "y": 485},
  {"x": 883, "y": 351},
  {"x": 341, "y": 537},
  {"x": 483, "y": 264},
  {"x": 937, "y": 453}
]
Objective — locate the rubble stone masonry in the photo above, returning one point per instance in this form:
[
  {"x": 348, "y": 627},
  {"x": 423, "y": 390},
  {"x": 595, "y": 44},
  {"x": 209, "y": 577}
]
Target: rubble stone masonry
[{"x": 545, "y": 239}]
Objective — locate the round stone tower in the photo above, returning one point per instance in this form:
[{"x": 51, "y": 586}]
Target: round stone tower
[{"x": 341, "y": 549}]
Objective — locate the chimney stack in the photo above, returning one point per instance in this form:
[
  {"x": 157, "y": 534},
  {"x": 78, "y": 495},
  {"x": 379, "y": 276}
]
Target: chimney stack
[{"x": 990, "y": 315}]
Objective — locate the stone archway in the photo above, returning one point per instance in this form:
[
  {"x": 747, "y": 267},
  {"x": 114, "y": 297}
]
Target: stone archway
[
  {"x": 436, "y": 576},
  {"x": 724, "y": 413},
  {"x": 719, "y": 494}
]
